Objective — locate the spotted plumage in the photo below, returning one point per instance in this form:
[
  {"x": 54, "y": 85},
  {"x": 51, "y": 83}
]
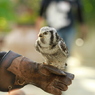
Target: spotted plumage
[{"x": 52, "y": 47}]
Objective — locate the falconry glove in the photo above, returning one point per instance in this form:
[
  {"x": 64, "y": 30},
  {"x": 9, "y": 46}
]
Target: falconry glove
[{"x": 25, "y": 71}]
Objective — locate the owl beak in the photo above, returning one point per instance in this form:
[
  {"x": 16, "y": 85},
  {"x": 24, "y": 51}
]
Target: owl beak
[{"x": 40, "y": 35}]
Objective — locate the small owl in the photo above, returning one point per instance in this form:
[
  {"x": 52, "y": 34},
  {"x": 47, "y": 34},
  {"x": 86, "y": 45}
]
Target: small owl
[{"x": 52, "y": 47}]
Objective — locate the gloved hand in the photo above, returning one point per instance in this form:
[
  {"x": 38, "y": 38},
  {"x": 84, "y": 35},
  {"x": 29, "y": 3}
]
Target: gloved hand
[
  {"x": 53, "y": 81},
  {"x": 46, "y": 77}
]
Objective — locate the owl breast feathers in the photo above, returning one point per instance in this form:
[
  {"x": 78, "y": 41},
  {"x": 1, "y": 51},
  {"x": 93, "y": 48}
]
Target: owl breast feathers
[{"x": 52, "y": 47}]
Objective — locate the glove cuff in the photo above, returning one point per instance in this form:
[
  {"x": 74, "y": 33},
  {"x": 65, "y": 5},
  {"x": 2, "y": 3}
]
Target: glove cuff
[{"x": 5, "y": 74}]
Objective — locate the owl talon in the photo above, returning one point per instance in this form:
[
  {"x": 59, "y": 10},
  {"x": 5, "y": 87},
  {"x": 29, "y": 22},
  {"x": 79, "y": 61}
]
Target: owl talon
[
  {"x": 66, "y": 64},
  {"x": 44, "y": 63}
]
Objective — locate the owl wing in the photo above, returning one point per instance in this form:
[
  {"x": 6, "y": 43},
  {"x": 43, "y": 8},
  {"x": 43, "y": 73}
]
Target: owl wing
[{"x": 63, "y": 47}]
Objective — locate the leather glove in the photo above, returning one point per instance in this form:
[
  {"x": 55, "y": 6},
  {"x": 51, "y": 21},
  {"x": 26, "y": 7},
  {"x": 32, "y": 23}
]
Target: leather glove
[
  {"x": 46, "y": 77},
  {"x": 54, "y": 81}
]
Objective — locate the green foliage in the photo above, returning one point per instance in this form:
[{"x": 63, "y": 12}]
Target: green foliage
[
  {"x": 89, "y": 11},
  {"x": 27, "y": 19},
  {"x": 30, "y": 16},
  {"x": 6, "y": 9},
  {"x": 6, "y": 13}
]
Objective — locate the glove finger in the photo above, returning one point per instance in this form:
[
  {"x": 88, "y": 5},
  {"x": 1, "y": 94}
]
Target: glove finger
[
  {"x": 60, "y": 86},
  {"x": 70, "y": 76},
  {"x": 65, "y": 80},
  {"x": 54, "y": 70},
  {"x": 55, "y": 91}
]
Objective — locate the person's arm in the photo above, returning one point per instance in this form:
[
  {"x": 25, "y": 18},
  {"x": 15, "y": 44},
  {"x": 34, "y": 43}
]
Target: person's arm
[
  {"x": 41, "y": 16},
  {"x": 46, "y": 77},
  {"x": 39, "y": 23},
  {"x": 19, "y": 71},
  {"x": 80, "y": 16}
]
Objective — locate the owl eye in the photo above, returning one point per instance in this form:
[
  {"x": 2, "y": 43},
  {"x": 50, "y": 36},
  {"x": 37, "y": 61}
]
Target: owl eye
[{"x": 45, "y": 33}]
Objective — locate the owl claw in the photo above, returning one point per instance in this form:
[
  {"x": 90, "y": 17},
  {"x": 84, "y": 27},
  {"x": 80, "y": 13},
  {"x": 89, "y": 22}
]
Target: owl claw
[{"x": 44, "y": 63}]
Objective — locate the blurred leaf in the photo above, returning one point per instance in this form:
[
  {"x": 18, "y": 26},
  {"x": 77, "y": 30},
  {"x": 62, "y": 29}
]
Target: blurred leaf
[
  {"x": 6, "y": 9},
  {"x": 89, "y": 11}
]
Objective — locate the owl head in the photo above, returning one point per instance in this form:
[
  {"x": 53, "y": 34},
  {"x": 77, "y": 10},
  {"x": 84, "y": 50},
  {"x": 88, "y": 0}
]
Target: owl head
[{"x": 48, "y": 35}]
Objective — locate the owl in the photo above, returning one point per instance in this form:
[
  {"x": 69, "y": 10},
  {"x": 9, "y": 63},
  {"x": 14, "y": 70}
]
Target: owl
[{"x": 52, "y": 47}]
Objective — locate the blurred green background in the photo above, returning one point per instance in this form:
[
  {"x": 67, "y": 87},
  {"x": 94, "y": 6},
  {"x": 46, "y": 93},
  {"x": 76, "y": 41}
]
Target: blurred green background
[
  {"x": 26, "y": 12},
  {"x": 17, "y": 11}
]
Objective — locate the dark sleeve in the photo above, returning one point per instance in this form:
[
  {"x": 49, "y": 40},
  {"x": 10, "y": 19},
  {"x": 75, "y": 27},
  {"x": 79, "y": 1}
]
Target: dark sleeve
[
  {"x": 43, "y": 6},
  {"x": 2, "y": 54},
  {"x": 80, "y": 11}
]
